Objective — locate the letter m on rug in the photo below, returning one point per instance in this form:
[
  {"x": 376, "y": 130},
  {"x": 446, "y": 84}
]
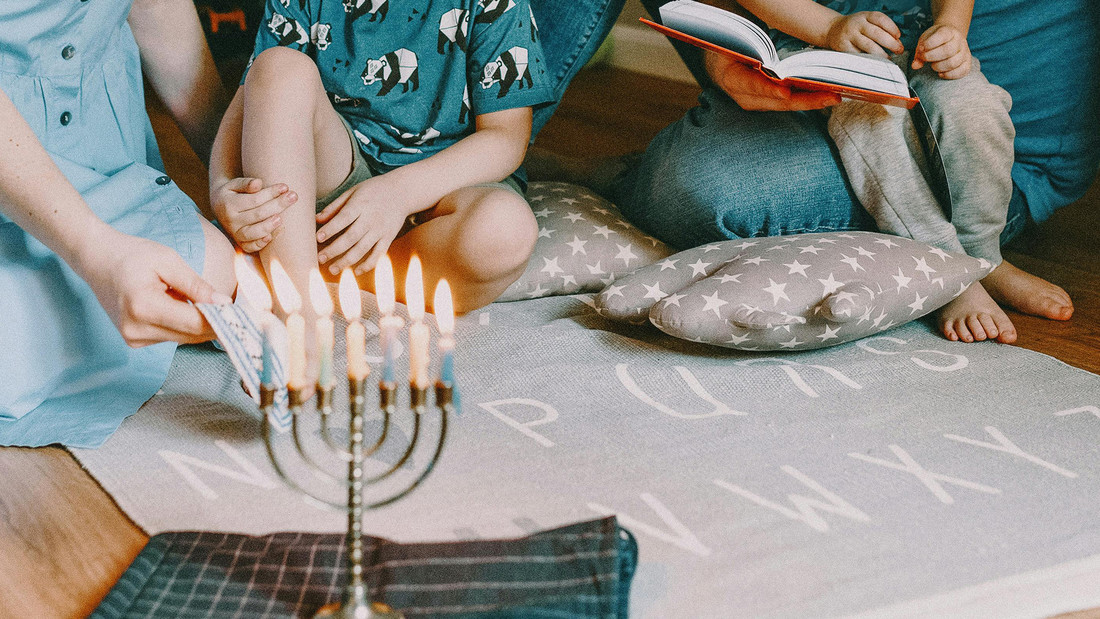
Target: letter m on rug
[
  {"x": 806, "y": 508},
  {"x": 186, "y": 465}
]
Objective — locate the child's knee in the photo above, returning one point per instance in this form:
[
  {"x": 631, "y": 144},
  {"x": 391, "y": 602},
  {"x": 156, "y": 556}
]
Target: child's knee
[
  {"x": 506, "y": 238},
  {"x": 277, "y": 66}
]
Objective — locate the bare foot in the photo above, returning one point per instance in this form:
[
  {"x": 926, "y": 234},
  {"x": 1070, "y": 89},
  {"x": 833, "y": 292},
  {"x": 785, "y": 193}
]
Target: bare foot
[
  {"x": 1027, "y": 293},
  {"x": 974, "y": 316}
]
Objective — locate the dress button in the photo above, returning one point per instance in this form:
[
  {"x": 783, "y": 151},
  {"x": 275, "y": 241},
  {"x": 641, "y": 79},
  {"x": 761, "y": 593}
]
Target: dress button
[
  {"x": 163, "y": 180},
  {"x": 66, "y": 118},
  {"x": 68, "y": 52}
]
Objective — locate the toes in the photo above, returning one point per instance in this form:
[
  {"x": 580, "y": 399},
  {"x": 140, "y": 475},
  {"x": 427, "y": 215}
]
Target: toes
[
  {"x": 948, "y": 328},
  {"x": 975, "y": 327},
  {"x": 989, "y": 325},
  {"x": 964, "y": 333}
]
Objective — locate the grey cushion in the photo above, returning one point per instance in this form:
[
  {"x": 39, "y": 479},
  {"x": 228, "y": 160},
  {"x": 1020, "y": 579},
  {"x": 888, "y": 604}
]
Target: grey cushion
[
  {"x": 584, "y": 244},
  {"x": 791, "y": 292}
]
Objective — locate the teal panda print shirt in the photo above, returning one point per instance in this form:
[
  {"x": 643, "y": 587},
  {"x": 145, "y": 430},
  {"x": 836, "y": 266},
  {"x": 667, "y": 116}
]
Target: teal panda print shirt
[
  {"x": 410, "y": 76},
  {"x": 913, "y": 17}
]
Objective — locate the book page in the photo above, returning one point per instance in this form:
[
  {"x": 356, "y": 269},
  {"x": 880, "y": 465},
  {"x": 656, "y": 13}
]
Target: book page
[
  {"x": 858, "y": 70},
  {"x": 721, "y": 28}
]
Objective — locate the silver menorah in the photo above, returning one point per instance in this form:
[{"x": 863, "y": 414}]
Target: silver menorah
[{"x": 356, "y": 602}]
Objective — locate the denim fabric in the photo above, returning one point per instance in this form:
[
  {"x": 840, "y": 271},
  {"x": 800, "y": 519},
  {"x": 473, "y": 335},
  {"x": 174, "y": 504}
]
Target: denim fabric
[
  {"x": 706, "y": 178},
  {"x": 571, "y": 31}
]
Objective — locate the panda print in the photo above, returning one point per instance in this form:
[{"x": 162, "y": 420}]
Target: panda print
[
  {"x": 288, "y": 31},
  {"x": 320, "y": 35},
  {"x": 508, "y": 69},
  {"x": 410, "y": 141},
  {"x": 492, "y": 9},
  {"x": 454, "y": 27},
  {"x": 377, "y": 9},
  {"x": 397, "y": 67},
  {"x": 464, "y": 112},
  {"x": 301, "y": 4}
]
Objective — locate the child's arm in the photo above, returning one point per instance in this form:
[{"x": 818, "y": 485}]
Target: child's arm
[
  {"x": 247, "y": 211},
  {"x": 178, "y": 65},
  {"x": 870, "y": 32},
  {"x": 943, "y": 46},
  {"x": 360, "y": 225}
]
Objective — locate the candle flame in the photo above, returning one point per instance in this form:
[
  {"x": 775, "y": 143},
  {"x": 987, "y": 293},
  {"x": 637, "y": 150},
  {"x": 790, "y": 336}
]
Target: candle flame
[
  {"x": 288, "y": 296},
  {"x": 318, "y": 294},
  {"x": 351, "y": 303},
  {"x": 414, "y": 289},
  {"x": 250, "y": 285},
  {"x": 444, "y": 308},
  {"x": 383, "y": 285}
]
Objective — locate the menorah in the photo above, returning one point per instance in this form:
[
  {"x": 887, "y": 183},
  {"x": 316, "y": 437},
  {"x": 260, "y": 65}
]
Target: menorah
[{"x": 355, "y": 601}]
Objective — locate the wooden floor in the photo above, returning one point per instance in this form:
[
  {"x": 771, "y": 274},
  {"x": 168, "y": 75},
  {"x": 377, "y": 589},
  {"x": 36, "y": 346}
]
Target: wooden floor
[{"x": 63, "y": 542}]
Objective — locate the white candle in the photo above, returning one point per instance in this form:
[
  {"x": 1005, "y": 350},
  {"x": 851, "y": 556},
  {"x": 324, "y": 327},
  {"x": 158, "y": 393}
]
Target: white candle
[
  {"x": 251, "y": 286},
  {"x": 322, "y": 304},
  {"x": 445, "y": 318},
  {"x": 419, "y": 334},
  {"x": 291, "y": 302},
  {"x": 356, "y": 334},
  {"x": 388, "y": 324}
]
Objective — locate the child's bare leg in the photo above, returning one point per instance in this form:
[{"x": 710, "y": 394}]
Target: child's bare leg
[
  {"x": 290, "y": 134},
  {"x": 1027, "y": 293},
  {"x": 217, "y": 264},
  {"x": 974, "y": 317},
  {"x": 479, "y": 238}
]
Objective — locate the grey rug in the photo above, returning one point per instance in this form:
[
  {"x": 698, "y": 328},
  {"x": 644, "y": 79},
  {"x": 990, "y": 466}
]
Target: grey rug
[{"x": 900, "y": 475}]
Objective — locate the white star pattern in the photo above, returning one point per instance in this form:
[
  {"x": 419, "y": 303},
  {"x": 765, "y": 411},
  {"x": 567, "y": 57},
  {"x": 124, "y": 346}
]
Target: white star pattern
[
  {"x": 668, "y": 263},
  {"x": 551, "y": 267},
  {"x": 603, "y": 230},
  {"x": 810, "y": 249},
  {"x": 569, "y": 201},
  {"x": 865, "y": 253},
  {"x": 887, "y": 242},
  {"x": 756, "y": 260},
  {"x": 610, "y": 279},
  {"x": 574, "y": 217},
  {"x": 726, "y": 278},
  {"x": 746, "y": 244},
  {"x": 538, "y": 291},
  {"x": 902, "y": 280},
  {"x": 831, "y": 285},
  {"x": 923, "y": 267},
  {"x": 777, "y": 247},
  {"x": 776, "y": 290},
  {"x": 737, "y": 340},
  {"x": 613, "y": 291},
  {"x": 568, "y": 280},
  {"x": 674, "y": 299},
  {"x": 713, "y": 303},
  {"x": 793, "y": 343},
  {"x": 709, "y": 248},
  {"x": 797, "y": 267},
  {"x": 917, "y": 305},
  {"x": 654, "y": 292},
  {"x": 543, "y": 213},
  {"x": 852, "y": 262},
  {"x": 577, "y": 246},
  {"x": 829, "y": 334},
  {"x": 544, "y": 233},
  {"x": 939, "y": 252},
  {"x": 538, "y": 198},
  {"x": 594, "y": 269},
  {"x": 699, "y": 268},
  {"x": 846, "y": 296},
  {"x": 625, "y": 254}
]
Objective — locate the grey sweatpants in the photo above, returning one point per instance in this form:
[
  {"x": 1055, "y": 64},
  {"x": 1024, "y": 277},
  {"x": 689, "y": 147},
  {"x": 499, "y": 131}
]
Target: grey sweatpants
[{"x": 886, "y": 166}]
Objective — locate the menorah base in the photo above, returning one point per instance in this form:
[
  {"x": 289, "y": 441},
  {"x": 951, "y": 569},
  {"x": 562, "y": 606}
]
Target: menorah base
[{"x": 358, "y": 609}]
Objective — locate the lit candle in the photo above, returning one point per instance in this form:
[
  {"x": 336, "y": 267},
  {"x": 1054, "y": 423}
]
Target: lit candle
[
  {"x": 388, "y": 324},
  {"x": 252, "y": 287},
  {"x": 291, "y": 302},
  {"x": 352, "y": 307},
  {"x": 445, "y": 318},
  {"x": 322, "y": 304},
  {"x": 418, "y": 330}
]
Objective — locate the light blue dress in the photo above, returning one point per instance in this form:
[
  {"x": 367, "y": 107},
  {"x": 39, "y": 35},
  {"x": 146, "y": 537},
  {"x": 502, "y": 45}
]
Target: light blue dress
[{"x": 72, "y": 69}]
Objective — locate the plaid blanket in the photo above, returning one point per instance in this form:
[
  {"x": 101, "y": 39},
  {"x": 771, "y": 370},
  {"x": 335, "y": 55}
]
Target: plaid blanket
[{"x": 578, "y": 571}]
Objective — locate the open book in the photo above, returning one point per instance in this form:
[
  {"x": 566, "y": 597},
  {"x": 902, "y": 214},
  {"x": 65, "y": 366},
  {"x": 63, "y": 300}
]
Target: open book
[{"x": 856, "y": 76}]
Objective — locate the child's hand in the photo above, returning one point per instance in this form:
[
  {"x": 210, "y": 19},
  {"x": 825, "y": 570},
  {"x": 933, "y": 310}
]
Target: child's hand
[
  {"x": 870, "y": 32},
  {"x": 250, "y": 212},
  {"x": 360, "y": 225},
  {"x": 944, "y": 48}
]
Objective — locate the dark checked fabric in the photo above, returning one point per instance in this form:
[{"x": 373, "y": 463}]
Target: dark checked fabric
[{"x": 581, "y": 570}]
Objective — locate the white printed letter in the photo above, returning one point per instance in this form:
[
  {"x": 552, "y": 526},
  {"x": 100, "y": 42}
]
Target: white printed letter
[
  {"x": 1008, "y": 447},
  {"x": 926, "y": 477},
  {"x": 692, "y": 383},
  {"x": 807, "y": 506},
  {"x": 184, "y": 464},
  {"x": 550, "y": 416},
  {"x": 679, "y": 536}
]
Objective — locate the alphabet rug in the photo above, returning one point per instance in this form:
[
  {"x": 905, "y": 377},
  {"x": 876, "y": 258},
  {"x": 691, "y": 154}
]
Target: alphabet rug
[{"x": 899, "y": 475}]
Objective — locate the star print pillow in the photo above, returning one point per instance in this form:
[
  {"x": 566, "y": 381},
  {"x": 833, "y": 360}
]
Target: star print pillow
[
  {"x": 584, "y": 244},
  {"x": 791, "y": 292}
]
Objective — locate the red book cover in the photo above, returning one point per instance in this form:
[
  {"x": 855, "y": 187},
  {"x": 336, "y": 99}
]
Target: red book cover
[{"x": 790, "y": 82}]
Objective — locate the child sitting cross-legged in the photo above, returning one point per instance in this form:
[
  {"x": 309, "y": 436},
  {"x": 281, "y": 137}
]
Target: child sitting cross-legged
[{"x": 387, "y": 127}]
